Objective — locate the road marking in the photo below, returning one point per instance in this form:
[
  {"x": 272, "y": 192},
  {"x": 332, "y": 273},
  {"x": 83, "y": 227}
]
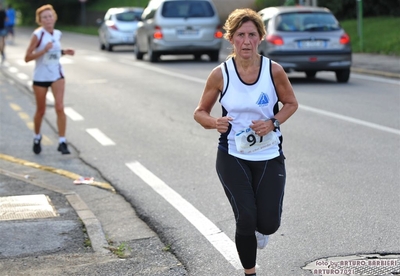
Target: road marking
[
  {"x": 213, "y": 234},
  {"x": 350, "y": 119},
  {"x": 13, "y": 69},
  {"x": 98, "y": 81},
  {"x": 377, "y": 79},
  {"x": 315, "y": 110},
  {"x": 100, "y": 137},
  {"x": 162, "y": 71},
  {"x": 15, "y": 107},
  {"x": 72, "y": 114},
  {"x": 50, "y": 97},
  {"x": 22, "y": 76}
]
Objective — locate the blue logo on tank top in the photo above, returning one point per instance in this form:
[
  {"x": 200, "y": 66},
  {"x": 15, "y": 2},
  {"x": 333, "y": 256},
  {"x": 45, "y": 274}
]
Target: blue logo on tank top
[{"x": 263, "y": 100}]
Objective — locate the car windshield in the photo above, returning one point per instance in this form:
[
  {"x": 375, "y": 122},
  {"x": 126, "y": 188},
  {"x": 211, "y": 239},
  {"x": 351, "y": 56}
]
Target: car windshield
[
  {"x": 300, "y": 22},
  {"x": 185, "y": 9},
  {"x": 128, "y": 16}
]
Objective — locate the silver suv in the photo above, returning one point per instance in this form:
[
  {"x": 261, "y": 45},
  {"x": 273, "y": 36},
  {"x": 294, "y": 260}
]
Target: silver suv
[
  {"x": 306, "y": 39},
  {"x": 179, "y": 27}
]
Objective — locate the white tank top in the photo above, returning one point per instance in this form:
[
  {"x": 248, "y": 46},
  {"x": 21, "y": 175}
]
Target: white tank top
[
  {"x": 246, "y": 102},
  {"x": 48, "y": 67}
]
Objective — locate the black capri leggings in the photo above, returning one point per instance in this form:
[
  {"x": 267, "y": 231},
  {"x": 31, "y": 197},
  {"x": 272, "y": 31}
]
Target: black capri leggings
[{"x": 255, "y": 191}]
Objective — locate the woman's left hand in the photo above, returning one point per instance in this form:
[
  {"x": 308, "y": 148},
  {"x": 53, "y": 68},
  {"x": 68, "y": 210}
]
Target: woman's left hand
[
  {"x": 70, "y": 52},
  {"x": 262, "y": 127}
]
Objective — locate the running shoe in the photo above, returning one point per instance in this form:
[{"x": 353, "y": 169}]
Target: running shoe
[
  {"x": 262, "y": 240},
  {"x": 63, "y": 148},
  {"x": 36, "y": 146}
]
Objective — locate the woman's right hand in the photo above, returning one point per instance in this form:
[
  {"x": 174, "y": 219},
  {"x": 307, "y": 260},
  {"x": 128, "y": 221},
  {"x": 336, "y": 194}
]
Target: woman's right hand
[
  {"x": 222, "y": 124},
  {"x": 48, "y": 46}
]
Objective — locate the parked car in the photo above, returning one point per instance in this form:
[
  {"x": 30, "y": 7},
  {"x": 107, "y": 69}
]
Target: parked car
[
  {"x": 306, "y": 39},
  {"x": 119, "y": 27},
  {"x": 178, "y": 27}
]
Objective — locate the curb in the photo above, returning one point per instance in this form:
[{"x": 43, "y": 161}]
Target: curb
[
  {"x": 93, "y": 226},
  {"x": 61, "y": 172},
  {"x": 375, "y": 72}
]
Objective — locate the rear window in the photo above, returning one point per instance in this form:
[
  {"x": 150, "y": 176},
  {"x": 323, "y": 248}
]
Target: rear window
[
  {"x": 184, "y": 9},
  {"x": 128, "y": 16},
  {"x": 300, "y": 22}
]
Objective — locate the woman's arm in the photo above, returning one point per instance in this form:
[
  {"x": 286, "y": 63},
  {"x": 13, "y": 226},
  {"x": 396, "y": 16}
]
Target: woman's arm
[
  {"x": 285, "y": 93},
  {"x": 31, "y": 54},
  {"x": 211, "y": 92}
]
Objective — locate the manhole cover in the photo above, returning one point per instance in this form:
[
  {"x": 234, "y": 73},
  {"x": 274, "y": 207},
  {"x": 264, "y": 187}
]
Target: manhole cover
[
  {"x": 26, "y": 207},
  {"x": 368, "y": 264}
]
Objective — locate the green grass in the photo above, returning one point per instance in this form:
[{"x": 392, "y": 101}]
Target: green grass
[
  {"x": 380, "y": 35},
  {"x": 105, "y": 5}
]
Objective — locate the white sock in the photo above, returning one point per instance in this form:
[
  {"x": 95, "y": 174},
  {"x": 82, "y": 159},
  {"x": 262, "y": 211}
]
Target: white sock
[
  {"x": 62, "y": 140},
  {"x": 37, "y": 136}
]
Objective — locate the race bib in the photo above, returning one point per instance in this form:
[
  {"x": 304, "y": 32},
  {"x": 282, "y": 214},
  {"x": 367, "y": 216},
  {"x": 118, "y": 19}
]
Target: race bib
[
  {"x": 52, "y": 57},
  {"x": 247, "y": 141}
]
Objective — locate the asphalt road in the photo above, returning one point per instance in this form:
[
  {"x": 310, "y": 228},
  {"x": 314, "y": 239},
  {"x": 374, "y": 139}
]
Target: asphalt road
[{"x": 342, "y": 146}]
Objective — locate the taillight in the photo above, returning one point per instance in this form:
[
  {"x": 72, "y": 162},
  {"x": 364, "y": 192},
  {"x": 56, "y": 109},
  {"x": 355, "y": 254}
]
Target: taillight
[
  {"x": 345, "y": 39},
  {"x": 111, "y": 25},
  {"x": 157, "y": 33},
  {"x": 275, "y": 39},
  {"x": 218, "y": 33}
]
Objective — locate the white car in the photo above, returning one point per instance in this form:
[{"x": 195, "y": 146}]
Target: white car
[{"x": 119, "y": 27}]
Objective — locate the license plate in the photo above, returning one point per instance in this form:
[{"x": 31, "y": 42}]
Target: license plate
[
  {"x": 312, "y": 44},
  {"x": 188, "y": 32}
]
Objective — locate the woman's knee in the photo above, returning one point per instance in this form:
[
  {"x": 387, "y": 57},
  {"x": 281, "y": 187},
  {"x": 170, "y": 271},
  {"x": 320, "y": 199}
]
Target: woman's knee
[
  {"x": 40, "y": 112},
  {"x": 59, "y": 108},
  {"x": 246, "y": 224},
  {"x": 269, "y": 227}
]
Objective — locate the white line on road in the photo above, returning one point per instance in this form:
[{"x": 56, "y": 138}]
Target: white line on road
[
  {"x": 50, "y": 97},
  {"x": 100, "y": 137},
  {"x": 315, "y": 110},
  {"x": 350, "y": 119},
  {"x": 162, "y": 71},
  {"x": 72, "y": 114},
  {"x": 377, "y": 79},
  {"x": 214, "y": 235},
  {"x": 22, "y": 76}
]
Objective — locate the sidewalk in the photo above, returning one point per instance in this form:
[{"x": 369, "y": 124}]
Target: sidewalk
[
  {"x": 378, "y": 65},
  {"x": 52, "y": 242},
  {"x": 80, "y": 229}
]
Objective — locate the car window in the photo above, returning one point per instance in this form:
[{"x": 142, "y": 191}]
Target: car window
[
  {"x": 299, "y": 22},
  {"x": 184, "y": 9},
  {"x": 128, "y": 16}
]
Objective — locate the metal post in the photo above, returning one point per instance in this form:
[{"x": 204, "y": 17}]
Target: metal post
[
  {"x": 83, "y": 13},
  {"x": 360, "y": 23}
]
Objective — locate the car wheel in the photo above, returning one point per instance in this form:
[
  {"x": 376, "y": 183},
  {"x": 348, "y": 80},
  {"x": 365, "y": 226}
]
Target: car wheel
[
  {"x": 153, "y": 56},
  {"x": 214, "y": 55},
  {"x": 197, "y": 56},
  {"x": 109, "y": 47},
  {"x": 311, "y": 74},
  {"x": 102, "y": 46},
  {"x": 342, "y": 75},
  {"x": 138, "y": 54}
]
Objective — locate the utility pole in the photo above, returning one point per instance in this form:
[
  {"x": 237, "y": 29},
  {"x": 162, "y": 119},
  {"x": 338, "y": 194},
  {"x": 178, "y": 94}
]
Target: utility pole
[
  {"x": 360, "y": 23},
  {"x": 83, "y": 12}
]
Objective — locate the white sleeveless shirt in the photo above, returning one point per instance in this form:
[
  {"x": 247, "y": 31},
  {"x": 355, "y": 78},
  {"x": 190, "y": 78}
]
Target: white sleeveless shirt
[
  {"x": 247, "y": 102},
  {"x": 48, "y": 67}
]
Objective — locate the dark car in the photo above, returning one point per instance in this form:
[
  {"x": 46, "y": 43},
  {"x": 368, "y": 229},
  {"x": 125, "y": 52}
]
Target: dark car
[{"x": 306, "y": 39}]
